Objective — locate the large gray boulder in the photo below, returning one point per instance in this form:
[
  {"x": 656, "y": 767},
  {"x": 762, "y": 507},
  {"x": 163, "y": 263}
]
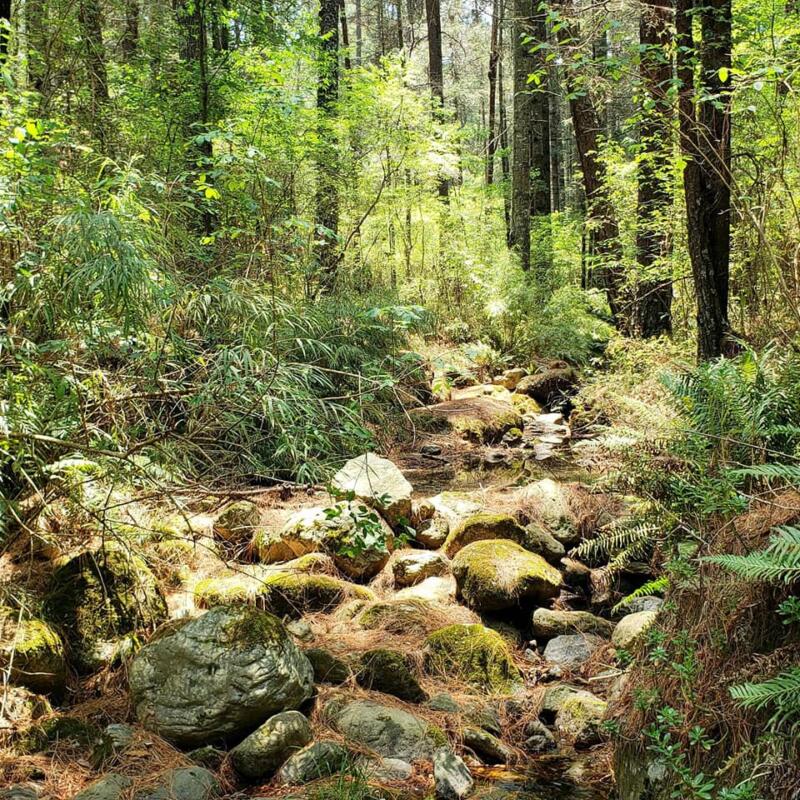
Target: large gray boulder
[
  {"x": 452, "y": 779},
  {"x": 218, "y": 675},
  {"x": 388, "y": 731},
  {"x": 318, "y": 760},
  {"x": 570, "y": 651},
  {"x": 183, "y": 783},
  {"x": 547, "y": 623},
  {"x": 379, "y": 483},
  {"x": 264, "y": 750},
  {"x": 109, "y": 787}
]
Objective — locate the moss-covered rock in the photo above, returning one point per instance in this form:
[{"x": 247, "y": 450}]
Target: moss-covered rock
[
  {"x": 238, "y": 522},
  {"x": 631, "y": 627},
  {"x": 549, "y": 385},
  {"x": 410, "y": 567},
  {"x": 474, "y": 654},
  {"x": 328, "y": 668},
  {"x": 432, "y": 532},
  {"x": 544, "y": 544},
  {"x": 579, "y": 719},
  {"x": 547, "y": 502},
  {"x": 260, "y": 754},
  {"x": 497, "y": 574},
  {"x": 395, "y": 616},
  {"x": 480, "y": 527},
  {"x": 97, "y": 598},
  {"x": 480, "y": 419},
  {"x": 391, "y": 672},
  {"x": 31, "y": 652},
  {"x": 354, "y": 535},
  {"x": 546, "y": 623},
  {"x": 489, "y": 748},
  {"x": 58, "y": 728}
]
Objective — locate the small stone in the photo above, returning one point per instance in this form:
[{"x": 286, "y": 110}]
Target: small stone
[
  {"x": 207, "y": 756},
  {"x": 318, "y": 760},
  {"x": 570, "y": 651},
  {"x": 388, "y": 770},
  {"x": 579, "y": 719},
  {"x": 20, "y": 791},
  {"x": 539, "y": 541},
  {"x": 263, "y": 751},
  {"x": 110, "y": 787},
  {"x": 487, "y": 747},
  {"x": 300, "y": 629},
  {"x": 327, "y": 667},
  {"x": 391, "y": 672},
  {"x": 647, "y": 603},
  {"x": 538, "y": 738},
  {"x": 631, "y": 627},
  {"x": 410, "y": 567},
  {"x": 451, "y": 777},
  {"x": 184, "y": 783},
  {"x": 548, "y": 623},
  {"x": 432, "y": 532},
  {"x": 430, "y": 450},
  {"x": 443, "y": 702}
]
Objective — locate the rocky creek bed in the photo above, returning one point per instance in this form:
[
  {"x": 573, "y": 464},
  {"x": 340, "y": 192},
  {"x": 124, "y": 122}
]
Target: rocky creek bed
[{"x": 426, "y": 632}]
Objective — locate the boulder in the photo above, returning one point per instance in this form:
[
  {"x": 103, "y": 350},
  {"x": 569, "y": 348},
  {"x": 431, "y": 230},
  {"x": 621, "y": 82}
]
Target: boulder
[
  {"x": 473, "y": 654},
  {"x": 480, "y": 527},
  {"x": 547, "y": 503},
  {"x": 403, "y": 615},
  {"x": 31, "y": 652},
  {"x": 183, "y": 783},
  {"x": 379, "y": 483},
  {"x": 318, "y": 760},
  {"x": 238, "y": 522},
  {"x": 538, "y": 738},
  {"x": 387, "y": 730},
  {"x": 479, "y": 419},
  {"x": 99, "y": 597},
  {"x": 579, "y": 719},
  {"x": 550, "y": 385},
  {"x": 410, "y": 567},
  {"x": 646, "y": 603},
  {"x": 570, "y": 651},
  {"x": 441, "y": 591},
  {"x": 110, "y": 787},
  {"x": 263, "y": 751},
  {"x": 327, "y": 667},
  {"x": 340, "y": 531},
  {"x": 387, "y": 770},
  {"x": 21, "y": 707},
  {"x": 486, "y": 746},
  {"x": 493, "y": 575},
  {"x": 548, "y": 623},
  {"x": 431, "y": 533},
  {"x": 452, "y": 780},
  {"x": 455, "y": 507},
  {"x": 553, "y": 698},
  {"x": 631, "y": 627},
  {"x": 390, "y": 672},
  {"x": 544, "y": 544},
  {"x": 218, "y": 675}
]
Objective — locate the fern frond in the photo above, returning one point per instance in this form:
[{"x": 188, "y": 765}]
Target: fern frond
[
  {"x": 781, "y": 693},
  {"x": 779, "y": 562},
  {"x": 789, "y": 473},
  {"x": 615, "y": 538},
  {"x": 657, "y": 586}
]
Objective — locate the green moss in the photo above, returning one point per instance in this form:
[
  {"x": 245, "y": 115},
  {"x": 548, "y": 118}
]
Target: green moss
[
  {"x": 211, "y": 592},
  {"x": 251, "y": 626},
  {"x": 237, "y": 522},
  {"x": 390, "y": 671},
  {"x": 294, "y": 595},
  {"x": 474, "y": 654},
  {"x": 99, "y": 596},
  {"x": 397, "y": 616},
  {"x": 483, "y": 526},
  {"x": 471, "y": 428},
  {"x": 57, "y": 729}
]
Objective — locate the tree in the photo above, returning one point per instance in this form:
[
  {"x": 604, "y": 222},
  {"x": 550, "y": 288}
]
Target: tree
[
  {"x": 90, "y": 19},
  {"x": 652, "y": 300},
  {"x": 327, "y": 199},
  {"x": 705, "y": 133},
  {"x": 433, "y": 20},
  {"x": 5, "y": 28},
  {"x": 494, "y": 59},
  {"x": 129, "y": 41}
]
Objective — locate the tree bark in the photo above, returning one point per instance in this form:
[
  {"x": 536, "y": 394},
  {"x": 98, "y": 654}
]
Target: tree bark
[
  {"x": 433, "y": 20},
  {"x": 90, "y": 20},
  {"x": 494, "y": 58},
  {"x": 327, "y": 200},
  {"x": 348, "y": 63},
  {"x": 705, "y": 132},
  {"x": 359, "y": 35},
  {"x": 5, "y": 28},
  {"x": 130, "y": 32},
  {"x": 652, "y": 300},
  {"x": 505, "y": 162}
]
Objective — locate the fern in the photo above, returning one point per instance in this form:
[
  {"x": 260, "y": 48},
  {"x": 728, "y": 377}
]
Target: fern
[
  {"x": 781, "y": 693},
  {"x": 789, "y": 473},
  {"x": 618, "y": 539},
  {"x": 780, "y": 562},
  {"x": 656, "y": 586}
]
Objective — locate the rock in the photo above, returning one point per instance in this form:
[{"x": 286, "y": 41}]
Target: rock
[
  {"x": 576, "y": 575},
  {"x": 98, "y": 597},
  {"x": 388, "y": 770},
  {"x": 494, "y": 575},
  {"x": 631, "y": 627},
  {"x": 21, "y": 707},
  {"x": 115, "y": 738},
  {"x": 510, "y": 378},
  {"x": 579, "y": 719},
  {"x": 480, "y": 527},
  {"x": 218, "y": 675},
  {"x": 402, "y": 615},
  {"x": 431, "y": 590},
  {"x": 487, "y": 746},
  {"x": 300, "y": 629},
  {"x": 480, "y": 419},
  {"x": 20, "y": 791},
  {"x": 546, "y": 623},
  {"x": 431, "y": 533},
  {"x": 485, "y": 716},
  {"x": 413, "y": 566},
  {"x": 387, "y": 730},
  {"x": 390, "y": 672},
  {"x": 553, "y": 699},
  {"x": 264, "y": 750},
  {"x": 550, "y": 385},
  {"x": 110, "y": 787},
  {"x": 207, "y": 756},
  {"x": 327, "y": 667},
  {"x": 474, "y": 654},
  {"x": 318, "y": 760},
  {"x": 238, "y": 522},
  {"x": 431, "y": 450},
  {"x": 442, "y": 701},
  {"x": 646, "y": 603},
  {"x": 538, "y": 738},
  {"x": 335, "y": 530},
  {"x": 31, "y": 652},
  {"x": 183, "y": 783},
  {"x": 544, "y": 544},
  {"x": 570, "y": 651},
  {"x": 452, "y": 779},
  {"x": 547, "y": 502},
  {"x": 455, "y": 506},
  {"x": 58, "y": 728},
  {"x": 379, "y": 483}
]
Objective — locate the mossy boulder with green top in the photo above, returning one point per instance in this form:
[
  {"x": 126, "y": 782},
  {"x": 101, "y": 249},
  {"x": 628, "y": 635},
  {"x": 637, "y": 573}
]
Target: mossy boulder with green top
[
  {"x": 548, "y": 623},
  {"x": 98, "y": 598},
  {"x": 31, "y": 652},
  {"x": 391, "y": 672},
  {"x": 238, "y": 522},
  {"x": 480, "y": 527},
  {"x": 474, "y": 654},
  {"x": 497, "y": 574}
]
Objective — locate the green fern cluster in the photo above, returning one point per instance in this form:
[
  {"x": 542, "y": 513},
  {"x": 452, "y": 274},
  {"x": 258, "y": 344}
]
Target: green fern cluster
[
  {"x": 781, "y": 693},
  {"x": 780, "y": 562},
  {"x": 621, "y": 543}
]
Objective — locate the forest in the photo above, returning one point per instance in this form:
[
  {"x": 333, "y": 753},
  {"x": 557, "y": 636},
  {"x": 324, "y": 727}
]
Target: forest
[{"x": 399, "y": 399}]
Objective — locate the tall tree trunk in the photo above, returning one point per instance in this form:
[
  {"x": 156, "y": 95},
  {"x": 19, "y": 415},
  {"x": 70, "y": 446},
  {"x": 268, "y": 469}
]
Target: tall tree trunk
[
  {"x": 494, "y": 58},
  {"x": 505, "y": 162},
  {"x": 398, "y": 6},
  {"x": 652, "y": 301},
  {"x": 705, "y": 139},
  {"x": 90, "y": 19},
  {"x": 359, "y": 33},
  {"x": 5, "y": 28},
  {"x": 433, "y": 20},
  {"x": 348, "y": 63},
  {"x": 327, "y": 214},
  {"x": 130, "y": 31},
  {"x": 605, "y": 248},
  {"x": 554, "y": 108}
]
